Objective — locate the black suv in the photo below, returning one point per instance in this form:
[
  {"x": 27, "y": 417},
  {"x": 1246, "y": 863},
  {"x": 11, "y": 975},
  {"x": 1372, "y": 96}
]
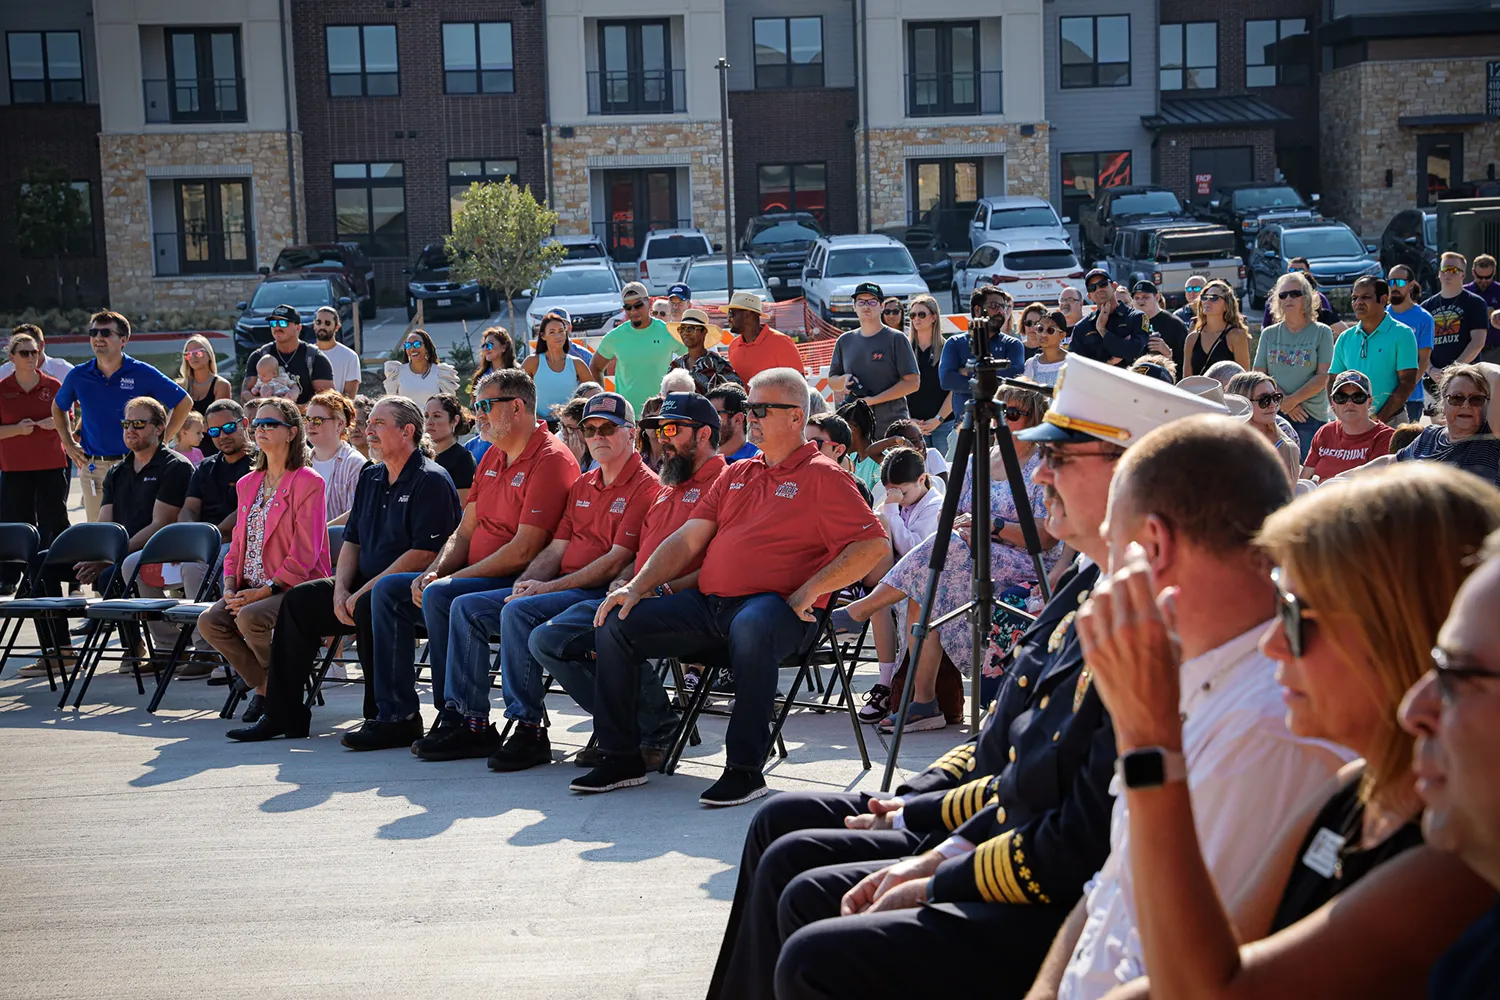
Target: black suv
[
  {"x": 1124, "y": 205},
  {"x": 432, "y": 285},
  {"x": 1243, "y": 206},
  {"x": 779, "y": 242},
  {"x": 347, "y": 259}
]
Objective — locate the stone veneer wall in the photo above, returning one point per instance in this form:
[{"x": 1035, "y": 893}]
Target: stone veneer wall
[
  {"x": 1026, "y": 163},
  {"x": 125, "y": 159},
  {"x": 702, "y": 142},
  {"x": 1361, "y": 140}
]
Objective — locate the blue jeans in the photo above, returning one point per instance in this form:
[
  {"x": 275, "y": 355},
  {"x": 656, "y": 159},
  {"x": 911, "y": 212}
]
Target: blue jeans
[
  {"x": 1305, "y": 430},
  {"x": 757, "y": 632},
  {"x": 395, "y": 618},
  {"x": 942, "y": 437},
  {"x": 520, "y": 673},
  {"x": 564, "y": 646}
]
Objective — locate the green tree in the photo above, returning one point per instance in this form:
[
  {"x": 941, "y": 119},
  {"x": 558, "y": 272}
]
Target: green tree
[
  {"x": 498, "y": 239},
  {"x": 50, "y": 214}
]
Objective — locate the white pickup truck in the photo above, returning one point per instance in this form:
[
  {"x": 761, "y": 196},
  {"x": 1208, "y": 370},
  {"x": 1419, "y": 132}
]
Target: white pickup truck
[{"x": 1168, "y": 254}]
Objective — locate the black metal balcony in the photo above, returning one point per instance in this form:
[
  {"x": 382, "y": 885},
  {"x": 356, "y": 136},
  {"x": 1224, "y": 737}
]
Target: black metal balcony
[
  {"x": 195, "y": 99},
  {"x": 199, "y": 251},
  {"x": 953, "y": 94},
  {"x": 637, "y": 92}
]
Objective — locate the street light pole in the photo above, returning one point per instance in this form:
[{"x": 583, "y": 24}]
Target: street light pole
[{"x": 723, "y": 67}]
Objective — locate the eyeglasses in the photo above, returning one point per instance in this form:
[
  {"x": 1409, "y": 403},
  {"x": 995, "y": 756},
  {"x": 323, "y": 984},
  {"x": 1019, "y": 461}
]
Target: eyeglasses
[
  {"x": 412, "y": 345},
  {"x": 1212, "y": 297},
  {"x": 1293, "y": 614},
  {"x": 1269, "y": 400},
  {"x": 1192, "y": 288},
  {"x": 1453, "y": 679},
  {"x": 1055, "y": 459},
  {"x": 637, "y": 304},
  {"x": 760, "y": 410},
  {"x": 136, "y": 425},
  {"x": 604, "y": 430},
  {"x": 1399, "y": 282},
  {"x": 486, "y": 405},
  {"x": 1290, "y": 293},
  {"x": 1094, "y": 286},
  {"x": 1456, "y": 400},
  {"x": 673, "y": 428},
  {"x": 1450, "y": 269},
  {"x": 261, "y": 422},
  {"x": 278, "y": 324},
  {"x": 866, "y": 303},
  {"x": 1014, "y": 413},
  {"x": 23, "y": 352},
  {"x": 316, "y": 422},
  {"x": 233, "y": 426},
  {"x": 1360, "y": 398}
]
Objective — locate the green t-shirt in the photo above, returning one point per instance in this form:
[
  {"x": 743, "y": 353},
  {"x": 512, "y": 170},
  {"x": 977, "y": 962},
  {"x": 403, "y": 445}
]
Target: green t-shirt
[
  {"x": 867, "y": 471},
  {"x": 1294, "y": 358},
  {"x": 1390, "y": 349},
  {"x": 642, "y": 357}
]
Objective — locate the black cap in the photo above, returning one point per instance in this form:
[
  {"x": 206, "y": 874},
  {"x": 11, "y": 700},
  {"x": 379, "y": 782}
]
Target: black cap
[
  {"x": 685, "y": 407},
  {"x": 1096, "y": 272},
  {"x": 867, "y": 288},
  {"x": 1143, "y": 286},
  {"x": 287, "y": 313}
]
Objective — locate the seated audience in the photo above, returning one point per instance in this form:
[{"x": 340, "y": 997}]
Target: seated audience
[
  {"x": 358, "y": 440},
  {"x": 1353, "y": 437},
  {"x": 570, "y": 430},
  {"x": 1157, "y": 366},
  {"x": 645, "y": 443},
  {"x": 730, "y": 403},
  {"x": 446, "y": 420},
  {"x": 830, "y": 432},
  {"x": 912, "y": 501},
  {"x": 1466, "y": 439},
  {"x": 1222, "y": 371},
  {"x": 1405, "y": 435},
  {"x": 330, "y": 419},
  {"x": 676, "y": 380},
  {"x": 932, "y": 459},
  {"x": 1265, "y": 399},
  {"x": 422, "y": 376}
]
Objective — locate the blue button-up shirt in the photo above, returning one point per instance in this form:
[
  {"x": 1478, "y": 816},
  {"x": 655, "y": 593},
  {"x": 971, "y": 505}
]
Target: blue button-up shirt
[{"x": 957, "y": 364}]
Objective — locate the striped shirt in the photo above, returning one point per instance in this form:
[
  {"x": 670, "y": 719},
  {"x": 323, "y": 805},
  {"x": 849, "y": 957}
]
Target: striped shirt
[{"x": 341, "y": 474}]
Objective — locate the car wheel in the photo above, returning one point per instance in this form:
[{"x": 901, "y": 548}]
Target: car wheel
[{"x": 367, "y": 307}]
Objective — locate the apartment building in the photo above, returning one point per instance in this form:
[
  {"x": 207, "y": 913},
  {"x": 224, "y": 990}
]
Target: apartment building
[{"x": 49, "y": 112}]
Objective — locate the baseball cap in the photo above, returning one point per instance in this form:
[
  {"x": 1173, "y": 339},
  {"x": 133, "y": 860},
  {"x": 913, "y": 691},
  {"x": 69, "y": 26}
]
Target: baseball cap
[
  {"x": 611, "y": 406},
  {"x": 1096, "y": 402},
  {"x": 684, "y": 407},
  {"x": 1143, "y": 286},
  {"x": 634, "y": 290},
  {"x": 1096, "y": 272},
  {"x": 287, "y": 313},
  {"x": 1352, "y": 377},
  {"x": 680, "y": 291},
  {"x": 557, "y": 312},
  {"x": 748, "y": 301},
  {"x": 867, "y": 288}
]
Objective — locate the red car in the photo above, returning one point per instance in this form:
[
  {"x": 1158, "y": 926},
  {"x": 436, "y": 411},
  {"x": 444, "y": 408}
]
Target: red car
[{"x": 346, "y": 258}]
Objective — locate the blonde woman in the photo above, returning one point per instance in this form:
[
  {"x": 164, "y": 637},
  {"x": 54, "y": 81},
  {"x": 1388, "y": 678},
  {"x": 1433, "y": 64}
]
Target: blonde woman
[
  {"x": 1218, "y": 331},
  {"x": 1297, "y": 351},
  {"x": 1265, "y": 404},
  {"x": 1348, "y": 902},
  {"x": 200, "y": 377},
  {"x": 931, "y": 406}
]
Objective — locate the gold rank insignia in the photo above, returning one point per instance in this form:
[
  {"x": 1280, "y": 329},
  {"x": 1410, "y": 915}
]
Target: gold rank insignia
[
  {"x": 1085, "y": 677},
  {"x": 1055, "y": 642}
]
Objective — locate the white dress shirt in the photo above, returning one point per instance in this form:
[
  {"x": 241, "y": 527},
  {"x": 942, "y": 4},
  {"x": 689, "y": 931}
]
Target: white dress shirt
[
  {"x": 1246, "y": 775},
  {"x": 56, "y": 367}
]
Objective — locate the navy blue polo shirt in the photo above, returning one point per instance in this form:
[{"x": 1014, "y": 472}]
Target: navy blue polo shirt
[
  {"x": 418, "y": 511},
  {"x": 103, "y": 399},
  {"x": 1126, "y": 334}
]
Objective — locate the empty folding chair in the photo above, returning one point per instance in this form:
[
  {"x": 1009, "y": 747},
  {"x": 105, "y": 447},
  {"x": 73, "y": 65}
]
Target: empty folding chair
[
  {"x": 19, "y": 543},
  {"x": 184, "y": 617}
]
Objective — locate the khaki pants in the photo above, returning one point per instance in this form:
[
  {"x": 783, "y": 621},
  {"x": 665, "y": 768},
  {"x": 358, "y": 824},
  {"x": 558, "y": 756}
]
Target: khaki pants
[
  {"x": 93, "y": 486},
  {"x": 192, "y": 581},
  {"x": 245, "y": 640}
]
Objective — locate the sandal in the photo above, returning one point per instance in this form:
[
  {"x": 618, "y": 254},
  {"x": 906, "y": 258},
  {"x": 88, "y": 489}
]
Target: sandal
[{"x": 920, "y": 717}]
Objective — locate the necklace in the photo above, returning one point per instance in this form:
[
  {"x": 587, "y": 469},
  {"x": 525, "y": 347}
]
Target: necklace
[{"x": 1204, "y": 689}]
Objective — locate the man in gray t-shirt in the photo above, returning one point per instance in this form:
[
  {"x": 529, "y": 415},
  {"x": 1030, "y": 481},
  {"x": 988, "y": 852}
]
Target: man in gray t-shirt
[{"x": 880, "y": 366}]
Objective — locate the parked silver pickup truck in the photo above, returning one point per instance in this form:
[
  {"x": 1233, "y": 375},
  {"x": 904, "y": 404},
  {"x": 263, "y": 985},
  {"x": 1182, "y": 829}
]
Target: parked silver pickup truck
[{"x": 1168, "y": 254}]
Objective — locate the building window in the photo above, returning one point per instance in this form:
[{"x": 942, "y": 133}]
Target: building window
[
  {"x": 203, "y": 81},
  {"x": 794, "y": 187},
  {"x": 943, "y": 71},
  {"x": 362, "y": 61},
  {"x": 1085, "y": 173},
  {"x": 1277, "y": 52},
  {"x": 213, "y": 229},
  {"x": 477, "y": 59},
  {"x": 635, "y": 75},
  {"x": 45, "y": 67},
  {"x": 1095, "y": 51},
  {"x": 369, "y": 202},
  {"x": 81, "y": 240},
  {"x": 788, "y": 52},
  {"x": 462, "y": 173},
  {"x": 1190, "y": 56}
]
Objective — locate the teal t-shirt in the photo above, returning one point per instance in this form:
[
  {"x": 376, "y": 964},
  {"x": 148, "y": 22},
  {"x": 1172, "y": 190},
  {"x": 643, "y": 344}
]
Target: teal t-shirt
[
  {"x": 1294, "y": 358},
  {"x": 641, "y": 357},
  {"x": 1380, "y": 355}
]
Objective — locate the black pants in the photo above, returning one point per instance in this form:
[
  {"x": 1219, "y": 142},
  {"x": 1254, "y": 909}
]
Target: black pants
[
  {"x": 794, "y": 832},
  {"x": 39, "y": 498},
  {"x": 305, "y": 620}
]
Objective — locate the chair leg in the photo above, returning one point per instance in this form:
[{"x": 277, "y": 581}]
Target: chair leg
[
  {"x": 231, "y": 700},
  {"x": 846, "y": 681},
  {"x": 94, "y": 641},
  {"x": 10, "y": 644},
  {"x": 689, "y": 720},
  {"x": 315, "y": 682},
  {"x": 679, "y": 681},
  {"x": 184, "y": 637}
]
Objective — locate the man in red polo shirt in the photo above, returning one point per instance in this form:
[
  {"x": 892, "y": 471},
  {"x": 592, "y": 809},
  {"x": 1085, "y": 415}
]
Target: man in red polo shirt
[
  {"x": 520, "y": 492},
  {"x": 598, "y": 535},
  {"x": 777, "y": 534}
]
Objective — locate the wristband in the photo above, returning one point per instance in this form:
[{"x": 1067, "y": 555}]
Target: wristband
[{"x": 663, "y": 590}]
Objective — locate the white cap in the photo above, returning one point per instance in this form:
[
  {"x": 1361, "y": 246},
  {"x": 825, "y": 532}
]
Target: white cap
[
  {"x": 748, "y": 301},
  {"x": 1209, "y": 388},
  {"x": 1094, "y": 401}
]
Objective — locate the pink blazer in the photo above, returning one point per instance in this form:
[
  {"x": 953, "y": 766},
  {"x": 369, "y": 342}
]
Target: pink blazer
[{"x": 296, "y": 542}]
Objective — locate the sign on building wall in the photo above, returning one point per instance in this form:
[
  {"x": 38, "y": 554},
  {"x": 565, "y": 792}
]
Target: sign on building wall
[
  {"x": 1492, "y": 89},
  {"x": 1204, "y": 182}
]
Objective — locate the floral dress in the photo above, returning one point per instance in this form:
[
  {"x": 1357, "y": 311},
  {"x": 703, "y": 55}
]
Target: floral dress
[
  {"x": 254, "y": 572},
  {"x": 1009, "y": 566}
]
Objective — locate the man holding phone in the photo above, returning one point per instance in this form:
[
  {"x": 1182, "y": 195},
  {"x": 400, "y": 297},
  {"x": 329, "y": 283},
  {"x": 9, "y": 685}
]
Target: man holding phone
[{"x": 875, "y": 363}]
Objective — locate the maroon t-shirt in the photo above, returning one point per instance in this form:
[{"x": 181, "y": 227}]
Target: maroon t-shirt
[{"x": 1334, "y": 451}]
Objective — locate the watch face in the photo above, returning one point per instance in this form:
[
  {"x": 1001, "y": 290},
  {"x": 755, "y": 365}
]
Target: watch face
[{"x": 1144, "y": 769}]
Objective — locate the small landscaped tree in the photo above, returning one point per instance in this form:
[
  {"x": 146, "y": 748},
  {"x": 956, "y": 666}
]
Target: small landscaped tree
[
  {"x": 498, "y": 240},
  {"x": 50, "y": 215}
]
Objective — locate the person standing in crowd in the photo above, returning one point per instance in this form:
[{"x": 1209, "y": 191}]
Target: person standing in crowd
[
  {"x": 34, "y": 483},
  {"x": 496, "y": 350},
  {"x": 1353, "y": 437},
  {"x": 446, "y": 420},
  {"x": 102, "y": 388},
  {"x": 1031, "y": 318},
  {"x": 874, "y": 363},
  {"x": 1483, "y": 285},
  {"x": 344, "y": 362},
  {"x": 660, "y": 310},
  {"x": 1116, "y": 334},
  {"x": 1355, "y": 906},
  {"x": 1266, "y": 397},
  {"x": 1460, "y": 318},
  {"x": 1192, "y": 291},
  {"x": 679, "y": 297},
  {"x": 519, "y": 496},
  {"x": 732, "y": 406},
  {"x": 423, "y": 375},
  {"x": 1325, "y": 312},
  {"x": 201, "y": 379},
  {"x": 1044, "y": 366},
  {"x": 992, "y": 305},
  {"x": 931, "y": 405},
  {"x": 1297, "y": 351},
  {"x": 756, "y": 345},
  {"x": 1168, "y": 333},
  {"x": 1070, "y": 304},
  {"x": 641, "y": 347},
  {"x": 1381, "y": 347},
  {"x": 329, "y": 416},
  {"x": 48, "y": 365},
  {"x": 554, "y": 369},
  {"x": 384, "y": 534},
  {"x": 303, "y": 363},
  {"x": 707, "y": 367},
  {"x": 1403, "y": 309},
  {"x": 1218, "y": 333}
]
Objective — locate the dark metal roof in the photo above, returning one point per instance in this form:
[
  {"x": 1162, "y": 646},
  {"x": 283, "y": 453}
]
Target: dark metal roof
[
  {"x": 1416, "y": 121},
  {"x": 1410, "y": 24},
  {"x": 1212, "y": 112}
]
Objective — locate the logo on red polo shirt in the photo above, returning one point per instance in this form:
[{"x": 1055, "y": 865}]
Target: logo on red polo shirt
[
  {"x": 581, "y": 503},
  {"x": 736, "y": 486},
  {"x": 788, "y": 490},
  {"x": 492, "y": 473},
  {"x": 692, "y": 495},
  {"x": 519, "y": 478},
  {"x": 617, "y": 506}
]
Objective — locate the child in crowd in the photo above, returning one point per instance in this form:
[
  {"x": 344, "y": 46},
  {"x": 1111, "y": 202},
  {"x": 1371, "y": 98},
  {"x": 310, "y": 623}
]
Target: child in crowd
[
  {"x": 190, "y": 437},
  {"x": 905, "y": 432},
  {"x": 1045, "y": 365},
  {"x": 272, "y": 381},
  {"x": 912, "y": 500}
]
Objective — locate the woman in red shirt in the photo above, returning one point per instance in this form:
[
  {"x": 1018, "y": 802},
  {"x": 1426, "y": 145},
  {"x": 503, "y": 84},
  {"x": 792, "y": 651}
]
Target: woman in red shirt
[{"x": 1353, "y": 436}]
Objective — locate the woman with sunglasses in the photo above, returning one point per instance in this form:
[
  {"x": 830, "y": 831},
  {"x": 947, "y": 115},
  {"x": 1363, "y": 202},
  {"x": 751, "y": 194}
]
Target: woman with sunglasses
[
  {"x": 1466, "y": 439},
  {"x": 554, "y": 369},
  {"x": 200, "y": 377},
  {"x": 329, "y": 417},
  {"x": 1218, "y": 331},
  {"x": 1349, "y": 902},
  {"x": 280, "y": 540},
  {"x": 1297, "y": 351},
  {"x": 446, "y": 420},
  {"x": 1353, "y": 437},
  {"x": 496, "y": 350},
  {"x": 423, "y": 375},
  {"x": 931, "y": 406},
  {"x": 1029, "y": 324},
  {"x": 1265, "y": 402},
  {"x": 1045, "y": 365}
]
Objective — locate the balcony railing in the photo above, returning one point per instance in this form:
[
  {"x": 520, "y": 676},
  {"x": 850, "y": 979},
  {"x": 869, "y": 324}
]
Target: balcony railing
[
  {"x": 194, "y": 99},
  {"x": 931, "y": 95},
  {"x": 229, "y": 251},
  {"x": 637, "y": 92}
]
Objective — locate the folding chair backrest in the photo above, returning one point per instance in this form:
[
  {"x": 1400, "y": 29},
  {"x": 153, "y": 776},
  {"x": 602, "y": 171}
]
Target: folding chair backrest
[
  {"x": 19, "y": 542},
  {"x": 335, "y": 542},
  {"x": 96, "y": 541},
  {"x": 184, "y": 542}
]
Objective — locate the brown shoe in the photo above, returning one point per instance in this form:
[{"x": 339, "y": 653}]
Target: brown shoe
[
  {"x": 196, "y": 668},
  {"x": 39, "y": 668}
]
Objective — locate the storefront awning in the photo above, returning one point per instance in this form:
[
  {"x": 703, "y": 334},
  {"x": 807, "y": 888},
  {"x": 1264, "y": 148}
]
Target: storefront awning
[{"x": 1214, "y": 112}]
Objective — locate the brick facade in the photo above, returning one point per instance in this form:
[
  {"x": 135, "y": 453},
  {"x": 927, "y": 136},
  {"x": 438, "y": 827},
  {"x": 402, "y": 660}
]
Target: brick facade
[
  {"x": 424, "y": 127},
  {"x": 1172, "y": 154},
  {"x": 797, "y": 126}
]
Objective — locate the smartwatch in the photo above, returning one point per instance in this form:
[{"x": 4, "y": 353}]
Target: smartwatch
[
  {"x": 1151, "y": 767},
  {"x": 276, "y": 587}
]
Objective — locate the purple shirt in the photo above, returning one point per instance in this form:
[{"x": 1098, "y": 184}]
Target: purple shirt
[{"x": 1491, "y": 298}]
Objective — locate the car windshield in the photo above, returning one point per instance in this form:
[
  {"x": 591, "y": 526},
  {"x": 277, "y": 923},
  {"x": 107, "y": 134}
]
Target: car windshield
[
  {"x": 1041, "y": 260},
  {"x": 310, "y": 259},
  {"x": 432, "y": 262},
  {"x": 293, "y": 293},
  {"x": 676, "y": 246},
  {"x": 873, "y": 260},
  {"x": 578, "y": 281},
  {"x": 785, "y": 231},
  {"x": 1429, "y": 230},
  {"x": 1316, "y": 243},
  {"x": 584, "y": 251},
  {"x": 1258, "y": 199},
  {"x": 709, "y": 277},
  {"x": 1022, "y": 218},
  {"x": 1146, "y": 203}
]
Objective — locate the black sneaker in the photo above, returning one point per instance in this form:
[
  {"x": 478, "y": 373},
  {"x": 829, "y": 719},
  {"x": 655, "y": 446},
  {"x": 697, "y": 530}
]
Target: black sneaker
[
  {"x": 457, "y": 743},
  {"x": 615, "y": 772},
  {"x": 589, "y": 757},
  {"x": 528, "y": 746},
  {"x": 378, "y": 735},
  {"x": 438, "y": 725},
  {"x": 734, "y": 788}
]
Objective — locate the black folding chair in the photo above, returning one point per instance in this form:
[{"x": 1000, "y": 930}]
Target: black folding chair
[
  {"x": 184, "y": 617},
  {"x": 184, "y": 542},
  {"x": 93, "y": 542},
  {"x": 19, "y": 543}
]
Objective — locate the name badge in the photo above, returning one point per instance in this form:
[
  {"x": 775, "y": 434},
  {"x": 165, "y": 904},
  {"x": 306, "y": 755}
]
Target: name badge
[{"x": 1323, "y": 854}]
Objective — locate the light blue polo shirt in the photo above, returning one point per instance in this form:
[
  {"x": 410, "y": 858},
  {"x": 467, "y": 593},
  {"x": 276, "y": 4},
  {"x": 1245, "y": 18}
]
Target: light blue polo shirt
[
  {"x": 1380, "y": 355},
  {"x": 103, "y": 399}
]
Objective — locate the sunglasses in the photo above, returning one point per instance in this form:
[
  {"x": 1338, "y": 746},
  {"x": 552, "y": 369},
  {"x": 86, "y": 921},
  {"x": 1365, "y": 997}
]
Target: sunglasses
[
  {"x": 487, "y": 346},
  {"x": 633, "y": 306},
  {"x": 231, "y": 427},
  {"x": 890, "y": 312},
  {"x": 760, "y": 410},
  {"x": 920, "y": 314},
  {"x": 1456, "y": 400},
  {"x": 103, "y": 331},
  {"x": 603, "y": 430},
  {"x": 1290, "y": 293},
  {"x": 316, "y": 422},
  {"x": 1293, "y": 614},
  {"x": 1269, "y": 400},
  {"x": 23, "y": 352},
  {"x": 673, "y": 428},
  {"x": 1399, "y": 282},
  {"x": 1029, "y": 323},
  {"x": 692, "y": 328},
  {"x": 1014, "y": 413},
  {"x": 278, "y": 324},
  {"x": 1452, "y": 679},
  {"x": 1450, "y": 269},
  {"x": 1193, "y": 288},
  {"x": 412, "y": 345},
  {"x": 1055, "y": 459},
  {"x": 195, "y": 352},
  {"x": 1096, "y": 285},
  {"x": 1486, "y": 276},
  {"x": 1212, "y": 297},
  {"x": 136, "y": 425},
  {"x": 1360, "y": 398},
  {"x": 486, "y": 405},
  {"x": 260, "y": 422}
]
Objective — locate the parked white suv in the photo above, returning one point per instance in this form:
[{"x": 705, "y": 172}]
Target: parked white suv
[
  {"x": 664, "y": 251},
  {"x": 836, "y": 264}
]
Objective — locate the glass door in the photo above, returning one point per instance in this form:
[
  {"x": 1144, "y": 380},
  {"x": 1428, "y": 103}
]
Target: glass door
[
  {"x": 637, "y": 201},
  {"x": 635, "y": 67},
  {"x": 213, "y": 231},
  {"x": 944, "y": 61},
  {"x": 943, "y": 196},
  {"x": 203, "y": 68},
  {"x": 1440, "y": 166}
]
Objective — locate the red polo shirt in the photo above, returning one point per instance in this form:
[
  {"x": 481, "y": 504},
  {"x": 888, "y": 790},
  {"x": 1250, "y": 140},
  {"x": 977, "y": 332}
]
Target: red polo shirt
[
  {"x": 40, "y": 449},
  {"x": 600, "y": 517},
  {"x": 673, "y": 507},
  {"x": 780, "y": 524},
  {"x": 531, "y": 490},
  {"x": 772, "y": 349}
]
